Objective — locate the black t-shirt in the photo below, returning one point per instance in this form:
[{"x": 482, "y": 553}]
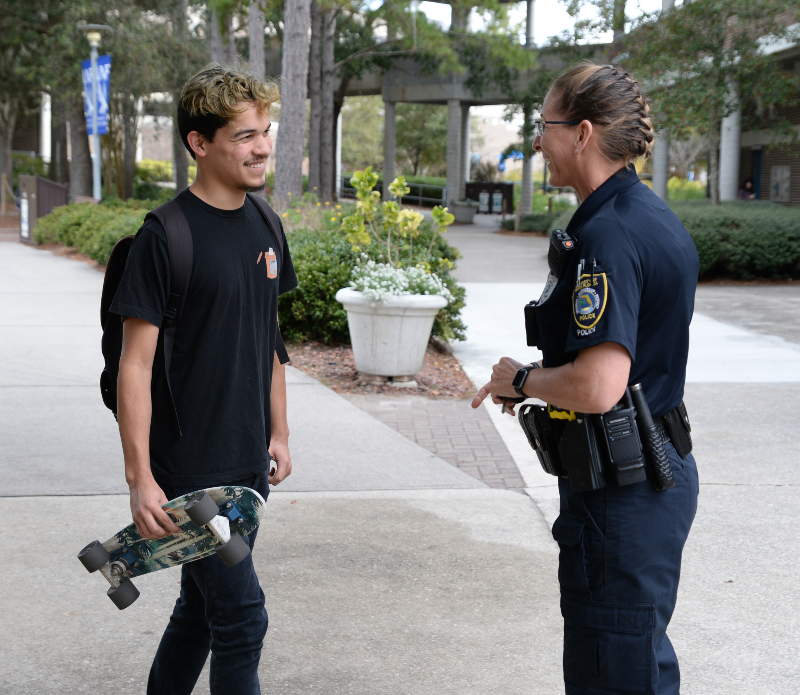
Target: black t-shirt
[
  {"x": 225, "y": 341},
  {"x": 636, "y": 288}
]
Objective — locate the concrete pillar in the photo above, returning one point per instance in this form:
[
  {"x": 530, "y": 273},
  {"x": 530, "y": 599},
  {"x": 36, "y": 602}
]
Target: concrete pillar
[
  {"x": 465, "y": 145},
  {"x": 529, "y": 42},
  {"x": 526, "y": 192},
  {"x": 454, "y": 171},
  {"x": 45, "y": 124},
  {"x": 729, "y": 154},
  {"x": 389, "y": 145},
  {"x": 338, "y": 161},
  {"x": 661, "y": 163}
]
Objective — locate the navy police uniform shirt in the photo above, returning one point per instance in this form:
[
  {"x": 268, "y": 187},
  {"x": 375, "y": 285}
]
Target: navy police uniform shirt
[{"x": 630, "y": 280}]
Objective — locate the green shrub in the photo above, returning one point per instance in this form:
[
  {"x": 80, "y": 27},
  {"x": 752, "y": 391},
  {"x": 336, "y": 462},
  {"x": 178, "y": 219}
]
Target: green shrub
[
  {"x": 561, "y": 220},
  {"x": 92, "y": 229},
  {"x": 324, "y": 261},
  {"x": 537, "y": 222},
  {"x": 25, "y": 164},
  {"x": 740, "y": 240},
  {"x": 681, "y": 189},
  {"x": 743, "y": 240},
  {"x": 152, "y": 192},
  {"x": 159, "y": 170}
]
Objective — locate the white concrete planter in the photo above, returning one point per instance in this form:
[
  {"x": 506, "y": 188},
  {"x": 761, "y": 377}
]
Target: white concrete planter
[
  {"x": 389, "y": 338},
  {"x": 463, "y": 212}
]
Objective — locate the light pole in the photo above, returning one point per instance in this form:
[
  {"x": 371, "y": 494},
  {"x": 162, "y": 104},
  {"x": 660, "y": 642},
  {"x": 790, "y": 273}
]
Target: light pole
[{"x": 93, "y": 37}]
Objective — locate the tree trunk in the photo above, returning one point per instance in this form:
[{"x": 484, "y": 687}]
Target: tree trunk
[
  {"x": 231, "y": 54},
  {"x": 8, "y": 121},
  {"x": 215, "y": 37},
  {"x": 327, "y": 123},
  {"x": 292, "y": 131},
  {"x": 59, "y": 170},
  {"x": 130, "y": 131},
  {"x": 618, "y": 20},
  {"x": 80, "y": 172},
  {"x": 459, "y": 17},
  {"x": 713, "y": 160},
  {"x": 180, "y": 166},
  {"x": 255, "y": 26},
  {"x": 526, "y": 197},
  {"x": 315, "y": 95},
  {"x": 714, "y": 133}
]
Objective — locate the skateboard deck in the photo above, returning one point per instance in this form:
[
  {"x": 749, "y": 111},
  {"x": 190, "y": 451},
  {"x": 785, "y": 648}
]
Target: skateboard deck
[
  {"x": 130, "y": 555},
  {"x": 194, "y": 543}
]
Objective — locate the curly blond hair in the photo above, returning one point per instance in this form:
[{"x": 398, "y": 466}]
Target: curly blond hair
[{"x": 212, "y": 98}]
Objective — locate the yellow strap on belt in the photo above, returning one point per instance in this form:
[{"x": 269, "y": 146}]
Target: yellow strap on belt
[{"x": 560, "y": 414}]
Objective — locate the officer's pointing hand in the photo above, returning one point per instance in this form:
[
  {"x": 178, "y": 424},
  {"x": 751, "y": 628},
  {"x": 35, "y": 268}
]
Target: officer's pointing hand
[{"x": 499, "y": 387}]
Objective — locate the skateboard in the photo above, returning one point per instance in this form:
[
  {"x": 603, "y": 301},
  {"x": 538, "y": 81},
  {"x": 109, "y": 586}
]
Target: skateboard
[{"x": 211, "y": 520}]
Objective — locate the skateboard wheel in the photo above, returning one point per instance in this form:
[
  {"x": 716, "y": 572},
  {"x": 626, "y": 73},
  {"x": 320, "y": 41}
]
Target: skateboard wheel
[
  {"x": 94, "y": 556},
  {"x": 201, "y": 509},
  {"x": 234, "y": 551},
  {"x": 124, "y": 594}
]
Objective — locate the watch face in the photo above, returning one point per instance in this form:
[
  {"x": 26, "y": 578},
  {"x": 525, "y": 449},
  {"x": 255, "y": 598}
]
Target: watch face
[{"x": 519, "y": 378}]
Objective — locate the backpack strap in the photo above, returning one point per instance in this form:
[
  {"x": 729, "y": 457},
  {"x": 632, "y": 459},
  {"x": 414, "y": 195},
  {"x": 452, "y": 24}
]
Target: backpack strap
[
  {"x": 271, "y": 218},
  {"x": 181, "y": 259}
]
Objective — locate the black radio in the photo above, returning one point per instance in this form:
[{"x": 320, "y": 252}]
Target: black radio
[
  {"x": 622, "y": 444},
  {"x": 561, "y": 247}
]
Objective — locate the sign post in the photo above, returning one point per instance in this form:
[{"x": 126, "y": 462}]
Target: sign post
[{"x": 96, "y": 72}]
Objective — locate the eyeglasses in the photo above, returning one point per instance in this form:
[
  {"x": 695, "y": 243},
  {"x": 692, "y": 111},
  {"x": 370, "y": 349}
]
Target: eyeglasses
[{"x": 538, "y": 126}]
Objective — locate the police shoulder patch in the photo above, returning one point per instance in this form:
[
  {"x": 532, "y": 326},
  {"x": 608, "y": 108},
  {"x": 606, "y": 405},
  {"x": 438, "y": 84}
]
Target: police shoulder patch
[{"x": 589, "y": 301}]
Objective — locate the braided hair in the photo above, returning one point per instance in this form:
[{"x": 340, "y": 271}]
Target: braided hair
[{"x": 607, "y": 97}]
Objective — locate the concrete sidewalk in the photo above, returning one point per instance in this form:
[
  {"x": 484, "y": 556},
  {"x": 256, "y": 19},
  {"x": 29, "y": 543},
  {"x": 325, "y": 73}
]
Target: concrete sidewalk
[{"x": 387, "y": 570}]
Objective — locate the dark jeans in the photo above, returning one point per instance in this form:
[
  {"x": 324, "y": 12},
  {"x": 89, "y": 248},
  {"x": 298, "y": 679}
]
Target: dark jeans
[
  {"x": 619, "y": 568},
  {"x": 220, "y": 609}
]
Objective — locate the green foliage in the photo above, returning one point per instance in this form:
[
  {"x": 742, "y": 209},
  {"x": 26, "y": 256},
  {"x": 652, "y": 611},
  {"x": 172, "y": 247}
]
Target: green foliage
[
  {"x": 537, "y": 222},
  {"x": 152, "y": 191},
  {"x": 744, "y": 240},
  {"x": 324, "y": 262},
  {"x": 392, "y": 227},
  {"x": 561, "y": 220},
  {"x": 681, "y": 189},
  {"x": 26, "y": 165},
  {"x": 422, "y": 137},
  {"x": 739, "y": 240},
  {"x": 361, "y": 146},
  {"x": 92, "y": 229}
]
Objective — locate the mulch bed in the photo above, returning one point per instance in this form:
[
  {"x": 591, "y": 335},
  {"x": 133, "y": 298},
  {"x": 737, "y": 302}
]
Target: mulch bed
[{"x": 441, "y": 375}]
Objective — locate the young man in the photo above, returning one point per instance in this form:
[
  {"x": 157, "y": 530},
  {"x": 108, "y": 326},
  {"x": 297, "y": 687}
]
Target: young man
[{"x": 226, "y": 375}]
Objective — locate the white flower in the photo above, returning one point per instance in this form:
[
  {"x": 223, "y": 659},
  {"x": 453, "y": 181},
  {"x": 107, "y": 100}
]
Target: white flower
[{"x": 379, "y": 281}]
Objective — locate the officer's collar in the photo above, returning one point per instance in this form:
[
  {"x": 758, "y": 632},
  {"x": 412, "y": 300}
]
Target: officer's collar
[{"x": 617, "y": 182}]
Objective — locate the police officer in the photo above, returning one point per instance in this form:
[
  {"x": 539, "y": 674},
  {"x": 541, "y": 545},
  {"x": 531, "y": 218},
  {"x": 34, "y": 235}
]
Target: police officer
[{"x": 618, "y": 315}]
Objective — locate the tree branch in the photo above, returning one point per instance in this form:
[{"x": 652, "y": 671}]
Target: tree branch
[{"x": 370, "y": 50}]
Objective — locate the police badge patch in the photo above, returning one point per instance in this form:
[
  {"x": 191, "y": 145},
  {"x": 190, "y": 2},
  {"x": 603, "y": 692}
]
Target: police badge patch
[{"x": 589, "y": 301}]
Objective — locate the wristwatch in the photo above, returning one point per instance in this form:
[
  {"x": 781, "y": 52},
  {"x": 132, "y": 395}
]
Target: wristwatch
[{"x": 520, "y": 377}]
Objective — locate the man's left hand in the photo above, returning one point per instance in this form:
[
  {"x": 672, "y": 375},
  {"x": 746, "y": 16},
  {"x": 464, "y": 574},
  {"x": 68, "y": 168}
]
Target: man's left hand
[{"x": 279, "y": 451}]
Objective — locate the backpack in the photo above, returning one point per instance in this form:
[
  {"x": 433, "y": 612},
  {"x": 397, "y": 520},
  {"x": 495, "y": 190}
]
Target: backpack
[{"x": 180, "y": 251}]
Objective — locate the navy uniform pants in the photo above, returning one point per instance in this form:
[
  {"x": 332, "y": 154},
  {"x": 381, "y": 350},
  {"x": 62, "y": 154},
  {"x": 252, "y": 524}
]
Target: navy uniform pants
[
  {"x": 221, "y": 610},
  {"x": 619, "y": 567}
]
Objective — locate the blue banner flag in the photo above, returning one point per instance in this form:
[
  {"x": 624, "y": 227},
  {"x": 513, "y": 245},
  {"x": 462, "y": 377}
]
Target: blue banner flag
[{"x": 103, "y": 76}]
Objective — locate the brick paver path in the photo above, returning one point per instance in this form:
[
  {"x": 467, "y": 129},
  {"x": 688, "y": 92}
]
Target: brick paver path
[{"x": 452, "y": 430}]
